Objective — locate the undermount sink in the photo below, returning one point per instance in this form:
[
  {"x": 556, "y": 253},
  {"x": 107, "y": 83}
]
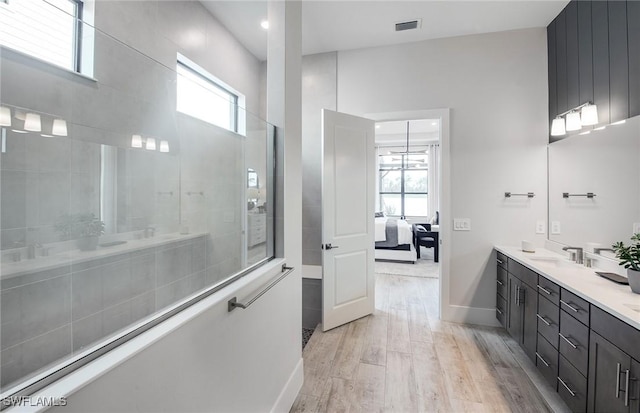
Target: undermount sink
[{"x": 554, "y": 261}]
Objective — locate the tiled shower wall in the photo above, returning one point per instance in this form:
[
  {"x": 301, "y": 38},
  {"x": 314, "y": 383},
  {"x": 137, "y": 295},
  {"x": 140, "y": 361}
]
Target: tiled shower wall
[{"x": 52, "y": 314}]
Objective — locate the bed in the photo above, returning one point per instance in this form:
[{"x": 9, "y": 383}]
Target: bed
[{"x": 394, "y": 240}]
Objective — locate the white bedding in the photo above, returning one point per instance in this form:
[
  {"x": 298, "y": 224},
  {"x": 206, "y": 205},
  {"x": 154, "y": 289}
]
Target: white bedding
[{"x": 405, "y": 234}]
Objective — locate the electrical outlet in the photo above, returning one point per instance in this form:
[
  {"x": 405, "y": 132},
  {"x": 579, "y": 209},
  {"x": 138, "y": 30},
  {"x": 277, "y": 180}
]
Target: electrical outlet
[
  {"x": 636, "y": 227},
  {"x": 555, "y": 227},
  {"x": 462, "y": 224},
  {"x": 540, "y": 227}
]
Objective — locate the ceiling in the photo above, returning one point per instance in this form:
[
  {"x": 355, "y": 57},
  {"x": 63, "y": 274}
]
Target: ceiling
[{"x": 329, "y": 25}]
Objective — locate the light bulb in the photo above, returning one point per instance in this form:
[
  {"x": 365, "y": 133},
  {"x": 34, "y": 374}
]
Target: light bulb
[
  {"x": 151, "y": 144},
  {"x": 557, "y": 127},
  {"x": 589, "y": 115},
  {"x": 573, "y": 121},
  {"x": 59, "y": 127},
  {"x": 264, "y": 24},
  {"x": 32, "y": 122},
  {"x": 136, "y": 141},
  {"x": 5, "y": 116},
  {"x": 164, "y": 146}
]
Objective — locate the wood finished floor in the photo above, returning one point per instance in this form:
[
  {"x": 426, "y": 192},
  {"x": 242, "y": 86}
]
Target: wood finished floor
[{"x": 403, "y": 359}]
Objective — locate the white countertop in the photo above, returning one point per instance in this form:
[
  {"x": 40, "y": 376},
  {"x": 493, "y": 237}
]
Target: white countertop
[
  {"x": 26, "y": 266},
  {"x": 613, "y": 298}
]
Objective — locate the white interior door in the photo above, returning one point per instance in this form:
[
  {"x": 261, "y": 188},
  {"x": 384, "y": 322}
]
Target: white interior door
[{"x": 348, "y": 200}]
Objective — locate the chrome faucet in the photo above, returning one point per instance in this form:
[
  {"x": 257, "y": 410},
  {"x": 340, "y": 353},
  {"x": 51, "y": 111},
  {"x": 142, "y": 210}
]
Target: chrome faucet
[
  {"x": 599, "y": 250},
  {"x": 576, "y": 254}
]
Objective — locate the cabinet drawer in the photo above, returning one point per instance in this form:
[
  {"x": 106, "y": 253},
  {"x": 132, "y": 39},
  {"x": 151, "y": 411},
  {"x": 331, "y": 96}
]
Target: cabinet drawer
[
  {"x": 501, "y": 260},
  {"x": 548, "y": 321},
  {"x": 549, "y": 290},
  {"x": 501, "y": 310},
  {"x": 574, "y": 342},
  {"x": 624, "y": 336},
  {"x": 572, "y": 386},
  {"x": 547, "y": 362},
  {"x": 523, "y": 273},
  {"x": 501, "y": 282},
  {"x": 575, "y": 306}
]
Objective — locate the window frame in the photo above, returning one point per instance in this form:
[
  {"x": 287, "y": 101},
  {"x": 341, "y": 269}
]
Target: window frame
[
  {"x": 75, "y": 65},
  {"x": 404, "y": 166},
  {"x": 237, "y": 119}
]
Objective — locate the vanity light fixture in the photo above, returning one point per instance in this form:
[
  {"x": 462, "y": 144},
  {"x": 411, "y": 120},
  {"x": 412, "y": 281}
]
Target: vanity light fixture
[
  {"x": 5, "y": 116},
  {"x": 59, "y": 127},
  {"x": 151, "y": 144},
  {"x": 32, "y": 122},
  {"x": 582, "y": 115},
  {"x": 264, "y": 24},
  {"x": 164, "y": 146},
  {"x": 136, "y": 141}
]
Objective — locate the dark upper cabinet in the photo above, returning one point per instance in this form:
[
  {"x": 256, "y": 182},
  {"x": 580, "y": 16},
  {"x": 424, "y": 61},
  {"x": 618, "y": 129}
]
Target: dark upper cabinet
[
  {"x": 585, "y": 51},
  {"x": 553, "y": 87},
  {"x": 633, "y": 27},
  {"x": 594, "y": 56},
  {"x": 561, "y": 62},
  {"x": 618, "y": 61},
  {"x": 573, "y": 74},
  {"x": 600, "y": 33}
]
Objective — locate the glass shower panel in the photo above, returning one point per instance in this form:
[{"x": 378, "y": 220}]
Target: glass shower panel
[{"x": 114, "y": 207}]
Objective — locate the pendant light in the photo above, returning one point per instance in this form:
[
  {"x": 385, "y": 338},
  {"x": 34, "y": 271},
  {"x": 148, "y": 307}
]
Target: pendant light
[
  {"x": 573, "y": 121},
  {"x": 557, "y": 127},
  {"x": 59, "y": 127},
  {"x": 151, "y": 144},
  {"x": 589, "y": 115},
  {"x": 136, "y": 141},
  {"x": 32, "y": 122}
]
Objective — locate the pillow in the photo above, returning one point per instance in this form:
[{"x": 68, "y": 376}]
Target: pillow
[{"x": 379, "y": 214}]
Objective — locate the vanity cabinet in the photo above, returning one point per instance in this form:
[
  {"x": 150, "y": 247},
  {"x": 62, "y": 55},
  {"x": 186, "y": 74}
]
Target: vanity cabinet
[
  {"x": 590, "y": 357},
  {"x": 522, "y": 305}
]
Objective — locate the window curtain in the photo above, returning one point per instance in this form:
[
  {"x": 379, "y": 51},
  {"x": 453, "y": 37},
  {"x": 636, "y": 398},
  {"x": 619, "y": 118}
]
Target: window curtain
[{"x": 434, "y": 179}]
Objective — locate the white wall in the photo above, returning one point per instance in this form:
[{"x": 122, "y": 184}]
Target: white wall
[{"x": 496, "y": 87}]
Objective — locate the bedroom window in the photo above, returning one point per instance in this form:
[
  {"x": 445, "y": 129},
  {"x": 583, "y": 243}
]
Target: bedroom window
[
  {"x": 48, "y": 30},
  {"x": 203, "y": 96},
  {"x": 403, "y": 184}
]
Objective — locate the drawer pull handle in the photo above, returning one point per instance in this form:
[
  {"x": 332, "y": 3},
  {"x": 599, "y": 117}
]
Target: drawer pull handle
[
  {"x": 568, "y": 341},
  {"x": 499, "y": 261},
  {"x": 499, "y": 311},
  {"x": 499, "y": 282},
  {"x": 543, "y": 320},
  {"x": 567, "y": 387},
  {"x": 626, "y": 389},
  {"x": 618, "y": 380},
  {"x": 572, "y": 308},
  {"x": 541, "y": 359},
  {"x": 544, "y": 290}
]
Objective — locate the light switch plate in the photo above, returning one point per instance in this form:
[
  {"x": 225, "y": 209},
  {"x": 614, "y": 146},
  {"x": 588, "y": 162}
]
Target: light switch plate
[
  {"x": 462, "y": 224},
  {"x": 540, "y": 227},
  {"x": 555, "y": 227},
  {"x": 636, "y": 227}
]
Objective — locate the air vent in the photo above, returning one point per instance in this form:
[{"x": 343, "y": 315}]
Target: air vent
[{"x": 409, "y": 25}]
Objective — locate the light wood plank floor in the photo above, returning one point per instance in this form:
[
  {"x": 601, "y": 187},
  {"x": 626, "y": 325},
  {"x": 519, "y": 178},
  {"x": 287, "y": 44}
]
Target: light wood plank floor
[{"x": 404, "y": 359}]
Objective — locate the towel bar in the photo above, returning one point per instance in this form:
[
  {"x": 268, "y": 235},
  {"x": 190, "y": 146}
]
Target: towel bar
[{"x": 233, "y": 303}]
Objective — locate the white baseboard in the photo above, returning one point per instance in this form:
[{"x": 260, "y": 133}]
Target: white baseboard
[
  {"x": 471, "y": 315},
  {"x": 312, "y": 271},
  {"x": 290, "y": 391}
]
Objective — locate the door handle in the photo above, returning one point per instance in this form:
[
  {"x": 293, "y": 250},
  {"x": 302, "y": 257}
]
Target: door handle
[{"x": 330, "y": 247}]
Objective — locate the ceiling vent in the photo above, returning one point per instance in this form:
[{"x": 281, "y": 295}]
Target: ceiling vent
[{"x": 408, "y": 25}]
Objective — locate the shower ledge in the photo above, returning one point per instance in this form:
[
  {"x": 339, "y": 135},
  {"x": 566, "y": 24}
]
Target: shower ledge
[{"x": 26, "y": 266}]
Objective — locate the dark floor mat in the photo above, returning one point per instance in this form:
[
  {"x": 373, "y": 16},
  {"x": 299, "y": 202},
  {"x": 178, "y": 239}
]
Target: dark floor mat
[{"x": 306, "y": 335}]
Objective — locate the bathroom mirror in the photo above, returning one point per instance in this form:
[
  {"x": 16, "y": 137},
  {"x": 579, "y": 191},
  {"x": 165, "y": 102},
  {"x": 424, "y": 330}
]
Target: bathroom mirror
[{"x": 594, "y": 186}]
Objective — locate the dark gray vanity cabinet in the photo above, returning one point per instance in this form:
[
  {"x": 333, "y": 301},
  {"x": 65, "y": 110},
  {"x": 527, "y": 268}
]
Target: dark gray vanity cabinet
[
  {"x": 613, "y": 367},
  {"x": 521, "y": 303}
]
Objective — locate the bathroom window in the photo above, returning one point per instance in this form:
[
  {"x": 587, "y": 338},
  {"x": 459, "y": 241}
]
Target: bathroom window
[
  {"x": 205, "y": 97},
  {"x": 403, "y": 184},
  {"x": 49, "y": 30}
]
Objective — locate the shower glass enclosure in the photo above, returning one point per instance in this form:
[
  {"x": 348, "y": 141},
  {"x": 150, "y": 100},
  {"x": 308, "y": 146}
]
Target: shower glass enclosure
[{"x": 116, "y": 207}]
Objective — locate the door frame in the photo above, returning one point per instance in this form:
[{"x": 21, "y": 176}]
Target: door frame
[{"x": 444, "y": 114}]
